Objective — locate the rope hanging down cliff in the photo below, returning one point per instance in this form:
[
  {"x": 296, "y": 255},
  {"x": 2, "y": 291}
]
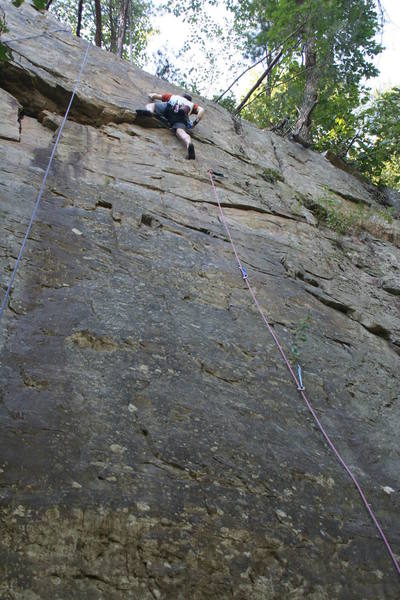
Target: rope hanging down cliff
[
  {"x": 40, "y": 194},
  {"x": 299, "y": 383}
]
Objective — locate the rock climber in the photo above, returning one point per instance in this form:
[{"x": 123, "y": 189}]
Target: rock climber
[{"x": 177, "y": 110}]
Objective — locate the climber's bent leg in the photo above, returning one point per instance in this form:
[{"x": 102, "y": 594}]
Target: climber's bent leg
[
  {"x": 186, "y": 140},
  {"x": 183, "y": 136}
]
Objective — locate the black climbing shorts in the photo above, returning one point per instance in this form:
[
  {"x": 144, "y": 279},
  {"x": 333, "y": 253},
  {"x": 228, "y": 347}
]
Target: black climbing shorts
[
  {"x": 178, "y": 125},
  {"x": 161, "y": 108}
]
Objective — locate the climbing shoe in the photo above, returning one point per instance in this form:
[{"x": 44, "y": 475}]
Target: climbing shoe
[{"x": 191, "y": 154}]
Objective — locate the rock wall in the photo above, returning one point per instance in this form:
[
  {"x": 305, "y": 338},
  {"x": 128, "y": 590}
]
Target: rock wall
[{"x": 152, "y": 444}]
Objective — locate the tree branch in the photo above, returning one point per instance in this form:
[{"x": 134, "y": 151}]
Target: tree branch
[
  {"x": 98, "y": 35},
  {"x": 239, "y": 77},
  {"x": 79, "y": 25},
  {"x": 267, "y": 54},
  {"x": 275, "y": 85},
  {"x": 258, "y": 82},
  {"x": 344, "y": 152}
]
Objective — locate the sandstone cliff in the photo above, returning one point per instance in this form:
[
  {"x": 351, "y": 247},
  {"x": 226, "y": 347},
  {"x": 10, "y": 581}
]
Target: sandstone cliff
[{"x": 152, "y": 444}]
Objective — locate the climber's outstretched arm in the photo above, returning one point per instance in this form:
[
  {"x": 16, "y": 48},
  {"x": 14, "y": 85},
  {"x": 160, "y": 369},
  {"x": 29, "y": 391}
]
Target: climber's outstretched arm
[{"x": 155, "y": 96}]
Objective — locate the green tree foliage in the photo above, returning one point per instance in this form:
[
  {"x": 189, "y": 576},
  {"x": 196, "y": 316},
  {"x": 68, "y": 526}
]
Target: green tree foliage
[
  {"x": 169, "y": 67},
  {"x": 336, "y": 117},
  {"x": 139, "y": 32},
  {"x": 390, "y": 173},
  {"x": 4, "y": 51},
  {"x": 345, "y": 118},
  {"x": 325, "y": 61},
  {"x": 39, "y": 4},
  {"x": 228, "y": 102},
  {"x": 376, "y": 151},
  {"x": 211, "y": 53},
  {"x": 137, "y": 26},
  {"x": 122, "y": 26}
]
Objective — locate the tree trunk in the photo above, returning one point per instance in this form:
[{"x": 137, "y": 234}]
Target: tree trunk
[
  {"x": 97, "y": 5},
  {"x": 123, "y": 14},
  {"x": 113, "y": 33},
  {"x": 310, "y": 97},
  {"x": 268, "y": 83},
  {"x": 79, "y": 25},
  {"x": 131, "y": 32},
  {"x": 259, "y": 81}
]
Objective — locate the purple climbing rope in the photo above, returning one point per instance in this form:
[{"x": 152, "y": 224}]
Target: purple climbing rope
[
  {"x": 299, "y": 385},
  {"x": 39, "y": 196}
]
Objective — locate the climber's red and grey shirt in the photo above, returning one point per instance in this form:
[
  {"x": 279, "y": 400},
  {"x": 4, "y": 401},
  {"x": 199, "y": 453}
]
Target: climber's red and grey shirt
[{"x": 178, "y": 103}]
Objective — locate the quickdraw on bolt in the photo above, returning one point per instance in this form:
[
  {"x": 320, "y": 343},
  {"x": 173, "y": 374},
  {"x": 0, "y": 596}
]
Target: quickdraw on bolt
[{"x": 300, "y": 387}]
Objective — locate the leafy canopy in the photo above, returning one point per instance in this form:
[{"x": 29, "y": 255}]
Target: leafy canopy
[
  {"x": 377, "y": 152},
  {"x": 5, "y": 53},
  {"x": 66, "y": 11},
  {"x": 342, "y": 34}
]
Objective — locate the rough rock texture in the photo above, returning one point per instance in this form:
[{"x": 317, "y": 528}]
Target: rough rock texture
[
  {"x": 391, "y": 198},
  {"x": 152, "y": 445},
  {"x": 9, "y": 111}
]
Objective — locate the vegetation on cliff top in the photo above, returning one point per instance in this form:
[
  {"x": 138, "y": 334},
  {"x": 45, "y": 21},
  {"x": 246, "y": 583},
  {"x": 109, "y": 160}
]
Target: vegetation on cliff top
[{"x": 314, "y": 58}]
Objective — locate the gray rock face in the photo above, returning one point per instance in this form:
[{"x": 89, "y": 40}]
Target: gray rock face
[
  {"x": 391, "y": 198},
  {"x": 152, "y": 444},
  {"x": 9, "y": 110}
]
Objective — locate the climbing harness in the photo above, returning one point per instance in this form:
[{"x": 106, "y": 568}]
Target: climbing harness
[
  {"x": 39, "y": 196},
  {"x": 177, "y": 103},
  {"x": 299, "y": 383}
]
